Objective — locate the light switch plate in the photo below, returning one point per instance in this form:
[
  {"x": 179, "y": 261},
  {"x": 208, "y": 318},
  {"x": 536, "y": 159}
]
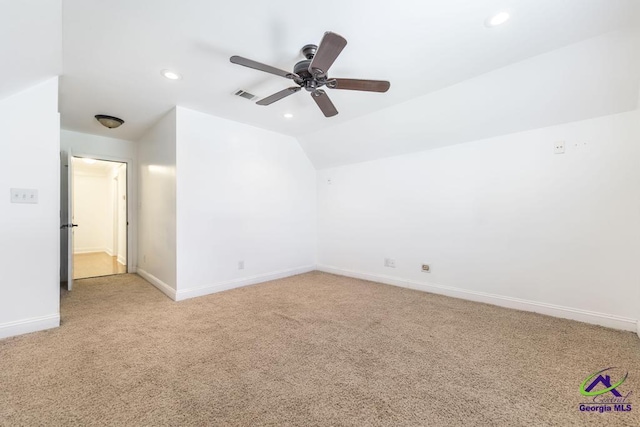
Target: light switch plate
[{"x": 24, "y": 195}]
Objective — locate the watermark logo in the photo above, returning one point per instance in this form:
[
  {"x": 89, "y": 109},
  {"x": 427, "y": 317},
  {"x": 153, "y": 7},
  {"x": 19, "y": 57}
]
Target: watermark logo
[{"x": 603, "y": 388}]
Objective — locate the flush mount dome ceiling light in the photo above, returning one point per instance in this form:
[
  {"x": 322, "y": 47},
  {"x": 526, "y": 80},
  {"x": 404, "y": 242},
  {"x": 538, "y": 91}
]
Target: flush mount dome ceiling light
[
  {"x": 497, "y": 19},
  {"x": 109, "y": 121}
]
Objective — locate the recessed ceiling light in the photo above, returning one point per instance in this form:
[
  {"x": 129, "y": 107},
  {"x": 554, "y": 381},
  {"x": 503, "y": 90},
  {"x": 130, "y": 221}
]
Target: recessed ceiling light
[
  {"x": 171, "y": 75},
  {"x": 498, "y": 19},
  {"x": 88, "y": 160},
  {"x": 288, "y": 115}
]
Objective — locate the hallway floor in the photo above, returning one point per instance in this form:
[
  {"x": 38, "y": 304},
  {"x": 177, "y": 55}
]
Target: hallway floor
[{"x": 96, "y": 264}]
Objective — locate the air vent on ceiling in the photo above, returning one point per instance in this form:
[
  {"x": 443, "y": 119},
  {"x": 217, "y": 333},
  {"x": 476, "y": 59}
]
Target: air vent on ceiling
[{"x": 245, "y": 94}]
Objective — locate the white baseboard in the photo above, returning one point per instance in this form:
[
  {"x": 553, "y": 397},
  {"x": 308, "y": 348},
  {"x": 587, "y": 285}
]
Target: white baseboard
[
  {"x": 89, "y": 250},
  {"x": 183, "y": 294},
  {"x": 163, "y": 287},
  {"x": 26, "y": 326},
  {"x": 602, "y": 319},
  {"x": 109, "y": 252},
  {"x": 122, "y": 260}
]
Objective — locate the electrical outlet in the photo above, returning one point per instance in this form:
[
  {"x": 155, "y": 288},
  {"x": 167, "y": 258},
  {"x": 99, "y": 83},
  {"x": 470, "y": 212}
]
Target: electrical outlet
[
  {"x": 558, "y": 147},
  {"x": 426, "y": 268},
  {"x": 240, "y": 265},
  {"x": 390, "y": 262}
]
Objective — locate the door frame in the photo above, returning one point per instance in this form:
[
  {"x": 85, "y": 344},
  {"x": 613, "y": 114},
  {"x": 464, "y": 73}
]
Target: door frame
[
  {"x": 131, "y": 214},
  {"x": 66, "y": 222}
]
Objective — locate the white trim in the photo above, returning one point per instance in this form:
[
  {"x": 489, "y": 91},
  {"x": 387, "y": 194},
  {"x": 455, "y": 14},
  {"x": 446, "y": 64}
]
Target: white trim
[
  {"x": 132, "y": 193},
  {"x": 90, "y": 251},
  {"x": 602, "y": 319},
  {"x": 183, "y": 294},
  {"x": 26, "y": 326},
  {"x": 163, "y": 287},
  {"x": 122, "y": 260}
]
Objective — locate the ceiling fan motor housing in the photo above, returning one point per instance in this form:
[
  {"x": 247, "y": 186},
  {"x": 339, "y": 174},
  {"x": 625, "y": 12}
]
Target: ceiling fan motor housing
[
  {"x": 307, "y": 80},
  {"x": 302, "y": 69}
]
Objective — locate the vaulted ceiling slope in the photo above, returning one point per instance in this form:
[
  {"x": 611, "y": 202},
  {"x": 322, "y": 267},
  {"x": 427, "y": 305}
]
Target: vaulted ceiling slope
[
  {"x": 596, "y": 77},
  {"x": 30, "y": 43},
  {"x": 114, "y": 52}
]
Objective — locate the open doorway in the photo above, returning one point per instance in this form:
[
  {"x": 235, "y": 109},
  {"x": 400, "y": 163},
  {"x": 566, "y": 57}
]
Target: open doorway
[{"x": 99, "y": 208}]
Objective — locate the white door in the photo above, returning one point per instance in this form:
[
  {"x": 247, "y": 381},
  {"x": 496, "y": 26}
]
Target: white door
[{"x": 66, "y": 219}]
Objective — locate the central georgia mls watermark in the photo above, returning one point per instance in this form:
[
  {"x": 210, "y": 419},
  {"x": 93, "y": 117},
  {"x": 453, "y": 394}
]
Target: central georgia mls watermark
[{"x": 605, "y": 395}]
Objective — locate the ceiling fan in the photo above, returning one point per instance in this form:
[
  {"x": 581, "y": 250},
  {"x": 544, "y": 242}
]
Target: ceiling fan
[{"x": 311, "y": 74}]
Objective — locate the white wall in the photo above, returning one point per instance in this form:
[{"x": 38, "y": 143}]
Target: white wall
[
  {"x": 100, "y": 147},
  {"x": 112, "y": 213},
  {"x": 29, "y": 240},
  {"x": 121, "y": 206},
  {"x": 92, "y": 211},
  {"x": 157, "y": 209},
  {"x": 243, "y": 194},
  {"x": 502, "y": 220}
]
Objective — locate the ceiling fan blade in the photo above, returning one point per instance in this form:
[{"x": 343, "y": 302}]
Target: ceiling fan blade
[
  {"x": 262, "y": 67},
  {"x": 356, "y": 84},
  {"x": 324, "y": 103},
  {"x": 329, "y": 49},
  {"x": 278, "y": 95}
]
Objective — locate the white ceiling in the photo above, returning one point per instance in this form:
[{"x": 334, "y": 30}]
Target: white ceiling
[
  {"x": 452, "y": 78},
  {"x": 114, "y": 52},
  {"x": 30, "y": 43}
]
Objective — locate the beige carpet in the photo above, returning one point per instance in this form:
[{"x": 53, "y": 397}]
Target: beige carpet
[{"x": 314, "y": 349}]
